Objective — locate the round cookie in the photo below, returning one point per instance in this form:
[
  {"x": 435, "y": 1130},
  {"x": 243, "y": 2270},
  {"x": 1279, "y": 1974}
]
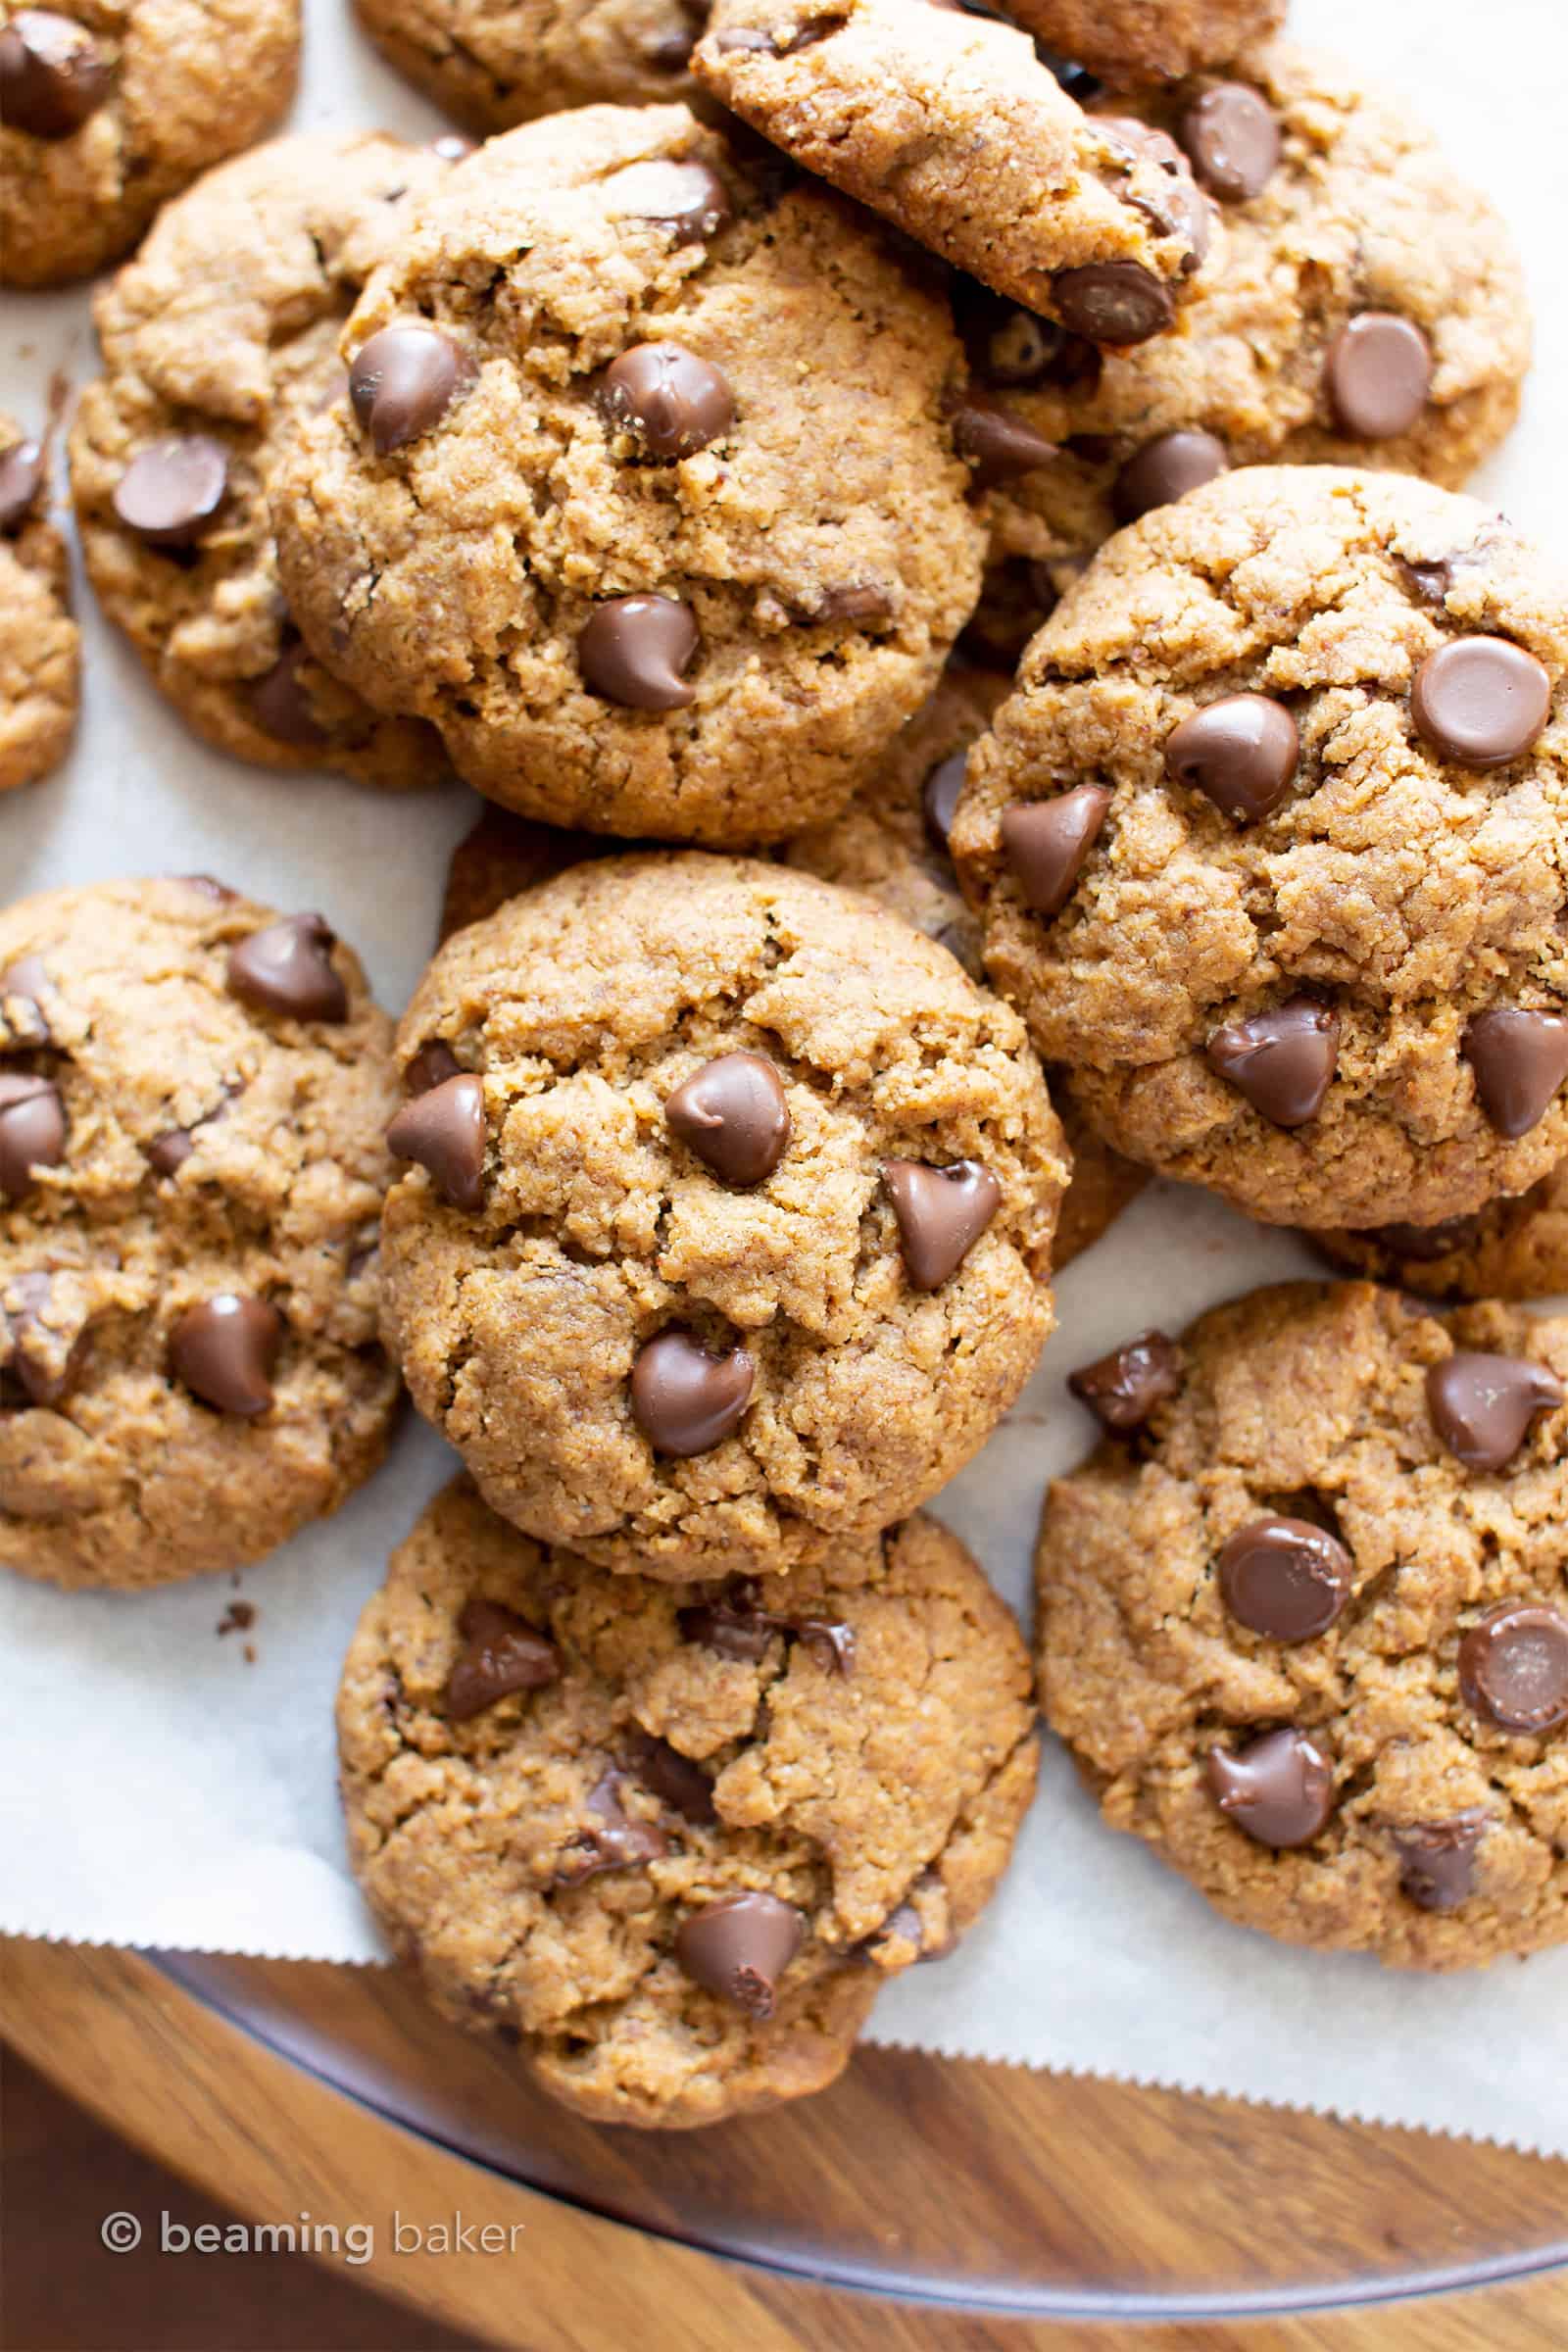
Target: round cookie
[
  {"x": 611, "y": 633},
  {"x": 1269, "y": 841},
  {"x": 194, "y": 1093},
  {"x": 1512, "y": 1249},
  {"x": 494, "y": 66},
  {"x": 952, "y": 127},
  {"x": 216, "y": 340},
  {"x": 1148, "y": 40},
  {"x": 1304, "y": 1626},
  {"x": 1303, "y": 338},
  {"x": 40, "y": 664},
  {"x": 668, "y": 1843},
  {"x": 727, "y": 1236},
  {"x": 891, "y": 842},
  {"x": 108, "y": 107}
]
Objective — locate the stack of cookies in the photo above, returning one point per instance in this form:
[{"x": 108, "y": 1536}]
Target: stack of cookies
[{"x": 943, "y": 556}]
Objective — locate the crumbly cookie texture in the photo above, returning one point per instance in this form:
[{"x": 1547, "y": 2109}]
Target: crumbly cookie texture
[
  {"x": 40, "y": 658},
  {"x": 494, "y": 66},
  {"x": 218, "y": 339},
  {"x": 668, "y": 533},
  {"x": 193, "y": 1092},
  {"x": 555, "y": 1780},
  {"x": 1401, "y": 1804},
  {"x": 951, "y": 127},
  {"x": 891, "y": 842},
  {"x": 1353, "y": 213},
  {"x": 1514, "y": 1248},
  {"x": 108, "y": 107},
  {"x": 1287, "y": 774},
  {"x": 1148, "y": 40},
  {"x": 710, "y": 1305}
]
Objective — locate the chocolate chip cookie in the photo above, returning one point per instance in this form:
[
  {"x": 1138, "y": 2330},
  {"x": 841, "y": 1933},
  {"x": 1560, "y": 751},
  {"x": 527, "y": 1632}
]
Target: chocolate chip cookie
[
  {"x": 193, "y": 1092},
  {"x": 1512, "y": 1249},
  {"x": 728, "y": 1220},
  {"x": 218, "y": 339},
  {"x": 667, "y": 1840},
  {"x": 1361, "y": 304},
  {"x": 951, "y": 125},
  {"x": 494, "y": 66},
  {"x": 643, "y": 490},
  {"x": 40, "y": 644},
  {"x": 109, "y": 107},
  {"x": 1304, "y": 1624},
  {"x": 1269, "y": 845},
  {"x": 892, "y": 842},
  {"x": 1148, "y": 40}
]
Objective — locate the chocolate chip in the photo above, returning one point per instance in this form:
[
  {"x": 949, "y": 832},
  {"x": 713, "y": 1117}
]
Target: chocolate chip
[
  {"x": 676, "y": 1780},
  {"x": 44, "y": 1361},
  {"x": 1428, "y": 583},
  {"x": 32, "y": 1132},
  {"x": 670, "y": 400},
  {"x": 689, "y": 199},
  {"x": 1285, "y": 1578},
  {"x": 1378, "y": 373},
  {"x": 1519, "y": 1060},
  {"x": 1279, "y": 1788},
  {"x": 735, "y": 1625},
  {"x": 1425, "y": 1243},
  {"x": 20, "y": 480},
  {"x": 167, "y": 1152},
  {"x": 998, "y": 444},
  {"x": 1232, "y": 138},
  {"x": 443, "y": 1130},
  {"x": 732, "y": 1113},
  {"x": 1046, "y": 843},
  {"x": 432, "y": 1065},
  {"x": 1166, "y": 195},
  {"x": 1242, "y": 751},
  {"x": 402, "y": 384},
  {"x": 171, "y": 492},
  {"x": 1014, "y": 349},
  {"x": 1480, "y": 701},
  {"x": 53, "y": 76},
  {"x": 685, "y": 1399},
  {"x": 941, "y": 1213},
  {"x": 1437, "y": 1859},
  {"x": 633, "y": 649},
  {"x": 1513, "y": 1668},
  {"x": 1282, "y": 1061},
  {"x": 1483, "y": 1406},
  {"x": 739, "y": 1949},
  {"x": 1122, "y": 1389},
  {"x": 24, "y": 988},
  {"x": 612, "y": 1838},
  {"x": 502, "y": 1653},
  {"x": 1113, "y": 302},
  {"x": 280, "y": 705},
  {"x": 939, "y": 797},
  {"x": 287, "y": 969},
  {"x": 224, "y": 1350},
  {"x": 866, "y": 603},
  {"x": 1165, "y": 470}
]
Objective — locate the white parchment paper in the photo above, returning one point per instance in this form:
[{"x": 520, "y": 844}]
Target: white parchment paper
[{"x": 158, "y": 1786}]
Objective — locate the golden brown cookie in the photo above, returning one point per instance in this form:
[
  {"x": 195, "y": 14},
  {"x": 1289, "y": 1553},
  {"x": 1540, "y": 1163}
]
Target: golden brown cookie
[
  {"x": 109, "y": 107},
  {"x": 218, "y": 339},
  {"x": 498, "y": 62},
  {"x": 502, "y": 854},
  {"x": 646, "y": 492},
  {"x": 1303, "y": 1620},
  {"x": 1268, "y": 844},
  {"x": 40, "y": 664},
  {"x": 1514, "y": 1248},
  {"x": 669, "y": 1842},
  {"x": 728, "y": 1225},
  {"x": 951, "y": 127},
  {"x": 193, "y": 1092}
]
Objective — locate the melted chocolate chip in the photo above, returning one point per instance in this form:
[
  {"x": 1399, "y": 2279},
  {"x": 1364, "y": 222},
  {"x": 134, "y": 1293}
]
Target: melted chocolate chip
[
  {"x": 1482, "y": 1406},
  {"x": 53, "y": 76},
  {"x": 280, "y": 704},
  {"x": 1282, "y": 1061},
  {"x": 502, "y": 1653},
  {"x": 689, "y": 199},
  {"x": 443, "y": 1131},
  {"x": 1480, "y": 700},
  {"x": 287, "y": 969},
  {"x": 1046, "y": 843},
  {"x": 432, "y": 1065},
  {"x": 684, "y": 1399},
  {"x": 32, "y": 1132},
  {"x": 610, "y": 1838},
  {"x": 677, "y": 1780},
  {"x": 998, "y": 444},
  {"x": 44, "y": 1361},
  {"x": 1519, "y": 1060},
  {"x": 1113, "y": 302},
  {"x": 1232, "y": 138},
  {"x": 939, "y": 797},
  {"x": 634, "y": 649},
  {"x": 737, "y": 1626},
  {"x": 1122, "y": 1389},
  {"x": 1513, "y": 1669},
  {"x": 1242, "y": 751},
  {"x": 739, "y": 1949},
  {"x": 22, "y": 468},
  {"x": 171, "y": 492},
  {"x": 941, "y": 1213},
  {"x": 1437, "y": 1859},
  {"x": 667, "y": 398},
  {"x": 1285, "y": 1578},
  {"x": 1279, "y": 1788},
  {"x": 402, "y": 384},
  {"x": 224, "y": 1350},
  {"x": 732, "y": 1113},
  {"x": 1378, "y": 373},
  {"x": 1165, "y": 470},
  {"x": 25, "y": 989}
]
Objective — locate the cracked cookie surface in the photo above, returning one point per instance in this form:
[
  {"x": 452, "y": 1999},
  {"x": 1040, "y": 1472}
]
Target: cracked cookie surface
[
  {"x": 495, "y": 65},
  {"x": 677, "y": 536},
  {"x": 111, "y": 107},
  {"x": 216, "y": 340},
  {"x": 1356, "y": 870},
  {"x": 850, "y": 1748},
  {"x": 41, "y": 646},
  {"x": 1359, "y": 214},
  {"x": 191, "y": 1174},
  {"x": 1441, "y": 1829},
  {"x": 530, "y": 1324}
]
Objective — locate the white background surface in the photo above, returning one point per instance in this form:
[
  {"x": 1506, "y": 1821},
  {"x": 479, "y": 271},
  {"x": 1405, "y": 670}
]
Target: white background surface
[{"x": 155, "y": 1788}]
